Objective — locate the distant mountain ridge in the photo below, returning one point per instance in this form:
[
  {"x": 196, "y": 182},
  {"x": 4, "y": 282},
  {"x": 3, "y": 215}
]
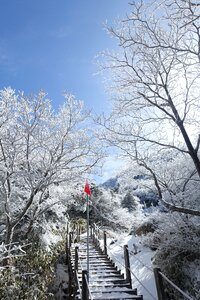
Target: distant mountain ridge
[{"x": 110, "y": 183}]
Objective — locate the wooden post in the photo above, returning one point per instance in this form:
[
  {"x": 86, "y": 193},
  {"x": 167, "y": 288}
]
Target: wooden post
[
  {"x": 85, "y": 293},
  {"x": 78, "y": 233},
  {"x": 159, "y": 284},
  {"x": 67, "y": 227},
  {"x": 94, "y": 234},
  {"x": 70, "y": 239},
  {"x": 94, "y": 230},
  {"x": 127, "y": 265},
  {"x": 70, "y": 285},
  {"x": 76, "y": 259},
  {"x": 67, "y": 248},
  {"x": 105, "y": 243},
  {"x": 98, "y": 236}
]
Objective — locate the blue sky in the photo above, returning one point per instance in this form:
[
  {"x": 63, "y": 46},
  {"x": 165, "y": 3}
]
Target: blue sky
[{"x": 51, "y": 44}]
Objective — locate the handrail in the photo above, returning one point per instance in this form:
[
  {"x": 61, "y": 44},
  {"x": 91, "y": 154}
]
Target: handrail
[
  {"x": 78, "y": 282},
  {"x": 176, "y": 287},
  {"x": 133, "y": 275},
  {"x": 86, "y": 280},
  {"x": 88, "y": 288},
  {"x": 164, "y": 276}
]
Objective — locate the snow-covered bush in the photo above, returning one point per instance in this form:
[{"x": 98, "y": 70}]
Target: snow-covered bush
[
  {"x": 177, "y": 239},
  {"x": 129, "y": 202},
  {"x": 32, "y": 275}
]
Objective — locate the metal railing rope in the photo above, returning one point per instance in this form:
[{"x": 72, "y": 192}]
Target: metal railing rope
[
  {"x": 147, "y": 267},
  {"x": 132, "y": 274}
]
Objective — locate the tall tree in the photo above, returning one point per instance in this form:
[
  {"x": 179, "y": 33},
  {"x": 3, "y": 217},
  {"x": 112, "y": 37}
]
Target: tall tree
[
  {"x": 155, "y": 81},
  {"x": 39, "y": 148}
]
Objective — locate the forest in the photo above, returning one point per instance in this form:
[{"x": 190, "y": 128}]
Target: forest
[{"x": 46, "y": 156}]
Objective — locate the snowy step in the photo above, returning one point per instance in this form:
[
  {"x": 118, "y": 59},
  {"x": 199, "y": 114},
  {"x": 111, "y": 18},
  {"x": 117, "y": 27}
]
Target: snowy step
[
  {"x": 102, "y": 268},
  {"x": 102, "y": 275},
  {"x": 106, "y": 272},
  {"x": 107, "y": 276},
  {"x": 105, "y": 280},
  {"x": 93, "y": 258},
  {"x": 81, "y": 256},
  {"x": 112, "y": 289},
  {"x": 93, "y": 262},
  {"x": 103, "y": 285},
  {"x": 98, "y": 263},
  {"x": 114, "y": 296}
]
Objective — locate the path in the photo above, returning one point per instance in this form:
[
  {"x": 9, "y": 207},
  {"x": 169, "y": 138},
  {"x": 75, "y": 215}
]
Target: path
[{"x": 105, "y": 281}]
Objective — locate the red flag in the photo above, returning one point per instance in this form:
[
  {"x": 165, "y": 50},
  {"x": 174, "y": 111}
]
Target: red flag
[{"x": 87, "y": 189}]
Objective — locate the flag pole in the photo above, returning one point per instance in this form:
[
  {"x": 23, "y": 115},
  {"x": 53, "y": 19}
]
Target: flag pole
[
  {"x": 88, "y": 192},
  {"x": 88, "y": 215}
]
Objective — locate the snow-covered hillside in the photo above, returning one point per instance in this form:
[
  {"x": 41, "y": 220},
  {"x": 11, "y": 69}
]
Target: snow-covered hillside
[{"x": 140, "y": 262}]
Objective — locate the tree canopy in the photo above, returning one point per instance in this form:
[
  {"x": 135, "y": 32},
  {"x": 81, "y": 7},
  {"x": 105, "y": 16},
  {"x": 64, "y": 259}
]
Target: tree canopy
[{"x": 154, "y": 80}]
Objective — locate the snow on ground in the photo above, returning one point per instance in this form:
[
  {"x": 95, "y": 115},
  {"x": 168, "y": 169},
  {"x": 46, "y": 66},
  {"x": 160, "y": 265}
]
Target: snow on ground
[{"x": 140, "y": 262}]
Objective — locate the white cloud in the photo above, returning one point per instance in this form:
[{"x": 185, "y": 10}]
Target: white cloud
[{"x": 110, "y": 168}]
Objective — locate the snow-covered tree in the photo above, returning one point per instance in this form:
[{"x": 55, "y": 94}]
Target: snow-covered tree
[
  {"x": 155, "y": 85},
  {"x": 39, "y": 149}
]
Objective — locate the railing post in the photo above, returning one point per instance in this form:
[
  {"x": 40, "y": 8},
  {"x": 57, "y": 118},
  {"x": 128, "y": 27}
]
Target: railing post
[
  {"x": 70, "y": 286},
  {"x": 67, "y": 227},
  {"x": 127, "y": 265},
  {"x": 76, "y": 258},
  {"x": 70, "y": 239},
  {"x": 95, "y": 235},
  {"x": 105, "y": 242},
  {"x": 85, "y": 293},
  {"x": 93, "y": 232},
  {"x": 67, "y": 248},
  {"x": 159, "y": 284},
  {"x": 78, "y": 233}
]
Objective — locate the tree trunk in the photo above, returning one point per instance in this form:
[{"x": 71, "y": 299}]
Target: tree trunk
[{"x": 192, "y": 152}]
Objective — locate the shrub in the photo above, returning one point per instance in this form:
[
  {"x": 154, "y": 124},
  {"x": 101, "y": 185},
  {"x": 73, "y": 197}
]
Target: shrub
[{"x": 31, "y": 276}]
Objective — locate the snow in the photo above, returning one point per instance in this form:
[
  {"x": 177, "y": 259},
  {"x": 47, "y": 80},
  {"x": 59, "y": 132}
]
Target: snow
[{"x": 140, "y": 263}]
